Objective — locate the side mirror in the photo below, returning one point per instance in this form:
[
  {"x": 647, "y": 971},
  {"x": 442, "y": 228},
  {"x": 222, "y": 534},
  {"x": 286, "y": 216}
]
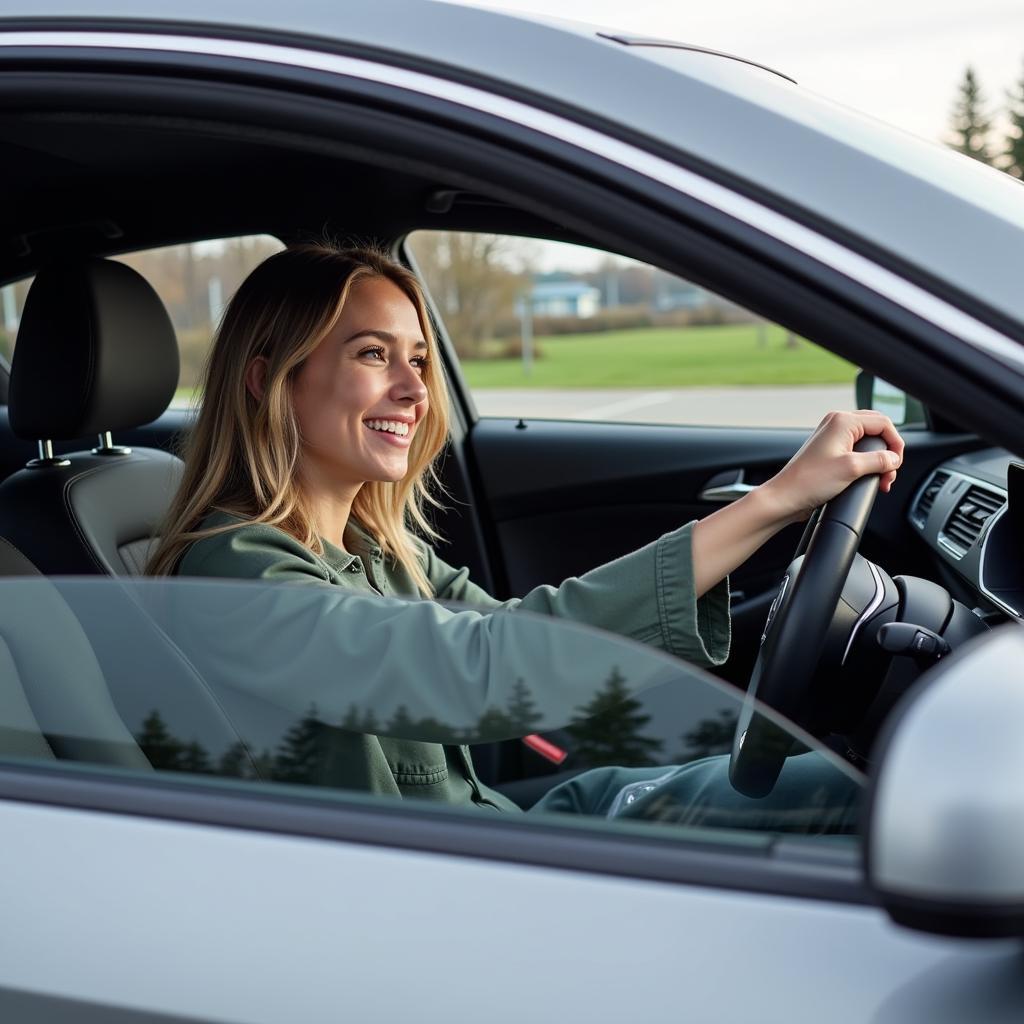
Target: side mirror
[
  {"x": 874, "y": 393},
  {"x": 944, "y": 846}
]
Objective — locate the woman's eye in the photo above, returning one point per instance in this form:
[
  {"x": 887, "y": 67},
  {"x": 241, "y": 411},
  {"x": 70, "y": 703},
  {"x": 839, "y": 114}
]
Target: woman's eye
[
  {"x": 374, "y": 352},
  {"x": 420, "y": 363}
]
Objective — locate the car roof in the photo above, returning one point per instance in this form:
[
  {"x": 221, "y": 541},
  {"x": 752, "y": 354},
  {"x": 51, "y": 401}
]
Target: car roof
[{"x": 855, "y": 178}]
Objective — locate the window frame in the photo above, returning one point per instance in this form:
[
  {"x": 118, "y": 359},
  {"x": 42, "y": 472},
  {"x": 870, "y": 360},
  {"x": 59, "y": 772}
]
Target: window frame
[{"x": 781, "y": 866}]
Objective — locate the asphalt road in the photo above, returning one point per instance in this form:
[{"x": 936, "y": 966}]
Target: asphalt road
[{"x": 737, "y": 407}]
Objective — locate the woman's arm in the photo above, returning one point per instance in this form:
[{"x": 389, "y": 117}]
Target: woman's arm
[{"x": 824, "y": 466}]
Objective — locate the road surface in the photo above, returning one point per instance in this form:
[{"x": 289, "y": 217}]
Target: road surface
[{"x": 736, "y": 407}]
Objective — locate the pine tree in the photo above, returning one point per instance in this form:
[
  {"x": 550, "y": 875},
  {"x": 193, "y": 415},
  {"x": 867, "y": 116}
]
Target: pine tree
[
  {"x": 360, "y": 721},
  {"x": 299, "y": 757},
  {"x": 1013, "y": 154},
  {"x": 607, "y": 731},
  {"x": 235, "y": 762},
  {"x": 495, "y": 725},
  {"x": 522, "y": 711},
  {"x": 970, "y": 126},
  {"x": 401, "y": 724},
  {"x": 709, "y": 736},
  {"x": 162, "y": 750},
  {"x": 194, "y": 758}
]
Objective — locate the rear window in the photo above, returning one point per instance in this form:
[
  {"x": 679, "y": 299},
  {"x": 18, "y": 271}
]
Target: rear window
[{"x": 194, "y": 281}]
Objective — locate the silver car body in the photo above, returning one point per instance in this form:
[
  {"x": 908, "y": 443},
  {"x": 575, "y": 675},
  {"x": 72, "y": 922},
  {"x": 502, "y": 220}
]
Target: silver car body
[{"x": 121, "y": 901}]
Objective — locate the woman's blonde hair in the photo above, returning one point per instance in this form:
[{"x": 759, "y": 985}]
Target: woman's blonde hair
[{"x": 242, "y": 454}]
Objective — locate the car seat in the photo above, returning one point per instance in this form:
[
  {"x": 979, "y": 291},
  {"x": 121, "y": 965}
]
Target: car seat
[
  {"x": 82, "y": 665},
  {"x": 95, "y": 353},
  {"x": 54, "y": 702}
]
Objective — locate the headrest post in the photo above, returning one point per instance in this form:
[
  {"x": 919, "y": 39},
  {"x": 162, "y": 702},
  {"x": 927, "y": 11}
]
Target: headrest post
[
  {"x": 106, "y": 446},
  {"x": 46, "y": 458}
]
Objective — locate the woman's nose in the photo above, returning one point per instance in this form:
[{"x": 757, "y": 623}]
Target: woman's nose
[{"x": 408, "y": 385}]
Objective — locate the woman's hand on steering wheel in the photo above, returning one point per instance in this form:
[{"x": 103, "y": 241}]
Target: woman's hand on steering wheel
[{"x": 826, "y": 464}]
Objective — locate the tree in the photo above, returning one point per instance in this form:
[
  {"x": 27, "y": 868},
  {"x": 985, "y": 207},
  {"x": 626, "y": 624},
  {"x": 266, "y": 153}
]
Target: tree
[
  {"x": 299, "y": 757},
  {"x": 1013, "y": 154},
  {"x": 471, "y": 279},
  {"x": 522, "y": 711},
  {"x": 709, "y": 736},
  {"x": 166, "y": 752},
  {"x": 235, "y": 762},
  {"x": 494, "y": 723},
  {"x": 361, "y": 721},
  {"x": 970, "y": 125},
  {"x": 194, "y": 758},
  {"x": 163, "y": 751},
  {"x": 401, "y": 723},
  {"x": 607, "y": 731}
]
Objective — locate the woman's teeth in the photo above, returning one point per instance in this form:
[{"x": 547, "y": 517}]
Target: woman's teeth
[{"x": 389, "y": 427}]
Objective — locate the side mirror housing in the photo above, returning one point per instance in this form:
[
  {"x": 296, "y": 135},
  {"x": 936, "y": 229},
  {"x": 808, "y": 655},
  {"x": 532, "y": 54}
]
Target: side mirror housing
[
  {"x": 874, "y": 393},
  {"x": 944, "y": 843}
]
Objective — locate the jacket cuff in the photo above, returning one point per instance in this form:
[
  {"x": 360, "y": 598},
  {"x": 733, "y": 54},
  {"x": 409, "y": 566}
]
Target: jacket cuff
[{"x": 696, "y": 630}]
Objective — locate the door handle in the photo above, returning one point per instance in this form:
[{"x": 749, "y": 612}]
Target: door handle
[{"x": 726, "y": 487}]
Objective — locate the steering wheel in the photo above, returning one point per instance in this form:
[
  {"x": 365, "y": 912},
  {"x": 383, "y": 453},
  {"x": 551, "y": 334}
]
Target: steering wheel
[{"x": 794, "y": 634}]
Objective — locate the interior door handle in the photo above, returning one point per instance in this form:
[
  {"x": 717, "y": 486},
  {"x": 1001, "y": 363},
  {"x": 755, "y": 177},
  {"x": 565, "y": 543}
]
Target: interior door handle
[{"x": 726, "y": 487}]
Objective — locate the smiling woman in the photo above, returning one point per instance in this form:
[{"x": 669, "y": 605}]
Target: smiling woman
[
  {"x": 311, "y": 458},
  {"x": 319, "y": 349}
]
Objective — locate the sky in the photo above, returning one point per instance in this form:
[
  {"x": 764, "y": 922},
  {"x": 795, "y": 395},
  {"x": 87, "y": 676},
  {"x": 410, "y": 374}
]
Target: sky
[{"x": 897, "y": 60}]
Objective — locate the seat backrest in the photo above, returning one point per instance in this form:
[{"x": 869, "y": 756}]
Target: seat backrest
[
  {"x": 95, "y": 353},
  {"x": 82, "y": 664},
  {"x": 54, "y": 701}
]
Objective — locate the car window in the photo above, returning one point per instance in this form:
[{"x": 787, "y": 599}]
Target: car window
[
  {"x": 556, "y": 331},
  {"x": 281, "y": 684},
  {"x": 194, "y": 281}
]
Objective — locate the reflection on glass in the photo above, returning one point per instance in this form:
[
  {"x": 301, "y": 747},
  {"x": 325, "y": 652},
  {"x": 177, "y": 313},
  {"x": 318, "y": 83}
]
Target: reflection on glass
[
  {"x": 609, "y": 730},
  {"x": 306, "y": 686}
]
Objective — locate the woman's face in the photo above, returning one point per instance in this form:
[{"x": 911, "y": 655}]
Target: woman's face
[{"x": 360, "y": 396}]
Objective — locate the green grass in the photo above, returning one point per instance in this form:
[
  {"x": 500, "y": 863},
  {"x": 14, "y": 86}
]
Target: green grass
[{"x": 728, "y": 355}]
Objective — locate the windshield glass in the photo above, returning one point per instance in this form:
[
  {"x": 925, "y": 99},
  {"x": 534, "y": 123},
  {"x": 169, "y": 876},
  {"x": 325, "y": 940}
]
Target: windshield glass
[{"x": 276, "y": 683}]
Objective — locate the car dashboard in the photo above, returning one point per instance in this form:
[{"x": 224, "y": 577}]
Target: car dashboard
[{"x": 970, "y": 513}]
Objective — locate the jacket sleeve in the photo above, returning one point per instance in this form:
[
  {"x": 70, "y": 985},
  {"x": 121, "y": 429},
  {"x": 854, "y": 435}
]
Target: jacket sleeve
[
  {"x": 412, "y": 669},
  {"x": 647, "y": 596},
  {"x": 417, "y": 669}
]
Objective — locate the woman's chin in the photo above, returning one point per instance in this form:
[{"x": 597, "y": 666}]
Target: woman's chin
[{"x": 390, "y": 474}]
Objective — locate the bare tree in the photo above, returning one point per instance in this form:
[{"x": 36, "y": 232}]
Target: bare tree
[{"x": 473, "y": 280}]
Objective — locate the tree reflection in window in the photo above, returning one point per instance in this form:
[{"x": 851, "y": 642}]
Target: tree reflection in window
[{"x": 608, "y": 730}]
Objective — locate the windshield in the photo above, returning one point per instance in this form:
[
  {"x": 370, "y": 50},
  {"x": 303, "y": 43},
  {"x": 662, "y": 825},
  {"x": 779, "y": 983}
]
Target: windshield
[{"x": 276, "y": 683}]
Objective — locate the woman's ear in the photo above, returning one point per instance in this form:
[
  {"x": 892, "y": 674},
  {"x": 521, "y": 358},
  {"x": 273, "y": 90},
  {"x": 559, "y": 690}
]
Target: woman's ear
[{"x": 256, "y": 377}]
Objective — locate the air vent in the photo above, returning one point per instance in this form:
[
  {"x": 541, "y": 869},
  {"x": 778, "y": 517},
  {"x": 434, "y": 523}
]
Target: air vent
[
  {"x": 972, "y": 511},
  {"x": 927, "y": 499}
]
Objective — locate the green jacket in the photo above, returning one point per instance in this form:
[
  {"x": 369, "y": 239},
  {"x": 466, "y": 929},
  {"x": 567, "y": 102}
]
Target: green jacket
[{"x": 646, "y": 596}]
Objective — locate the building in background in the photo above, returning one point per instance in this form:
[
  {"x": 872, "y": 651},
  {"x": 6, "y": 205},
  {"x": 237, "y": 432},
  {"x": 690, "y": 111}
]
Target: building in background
[{"x": 565, "y": 298}]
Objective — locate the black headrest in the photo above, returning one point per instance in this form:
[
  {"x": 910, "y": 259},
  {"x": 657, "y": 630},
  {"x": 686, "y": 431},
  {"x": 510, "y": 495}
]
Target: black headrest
[{"x": 95, "y": 351}]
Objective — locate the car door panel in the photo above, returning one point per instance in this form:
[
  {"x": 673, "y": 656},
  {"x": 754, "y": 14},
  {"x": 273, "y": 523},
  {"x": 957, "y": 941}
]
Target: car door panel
[{"x": 562, "y": 497}]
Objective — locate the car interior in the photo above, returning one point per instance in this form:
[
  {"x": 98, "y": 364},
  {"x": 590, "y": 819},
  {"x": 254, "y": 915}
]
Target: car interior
[{"x": 88, "y": 444}]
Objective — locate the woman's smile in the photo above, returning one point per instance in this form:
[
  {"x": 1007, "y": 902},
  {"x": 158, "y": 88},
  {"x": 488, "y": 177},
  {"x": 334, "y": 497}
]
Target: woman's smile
[{"x": 392, "y": 430}]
